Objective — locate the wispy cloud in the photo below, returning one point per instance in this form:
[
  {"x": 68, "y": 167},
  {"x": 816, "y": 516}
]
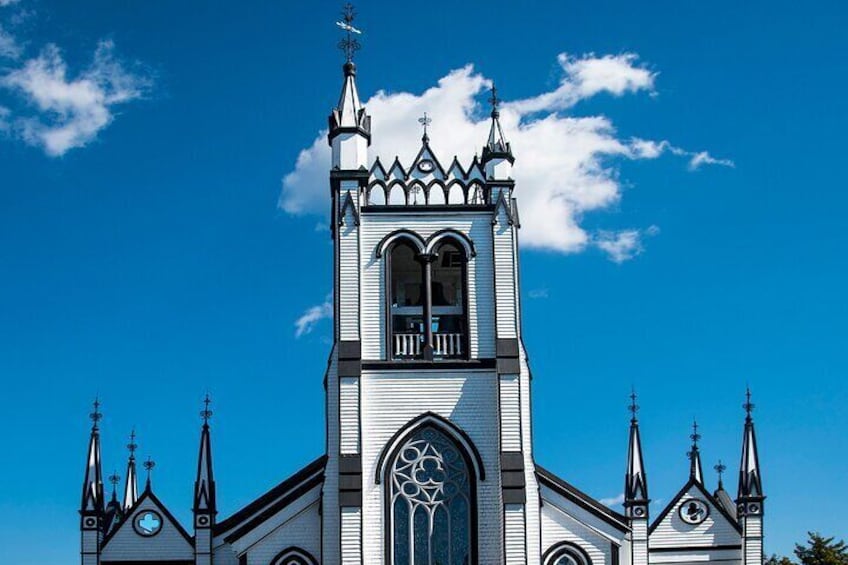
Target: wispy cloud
[
  {"x": 538, "y": 293},
  {"x": 4, "y": 3},
  {"x": 566, "y": 166},
  {"x": 9, "y": 48},
  {"x": 310, "y": 318},
  {"x": 613, "y": 501}
]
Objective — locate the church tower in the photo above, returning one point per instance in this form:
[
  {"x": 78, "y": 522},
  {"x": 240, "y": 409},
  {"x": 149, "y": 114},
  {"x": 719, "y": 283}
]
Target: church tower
[
  {"x": 750, "y": 498},
  {"x": 428, "y": 428}
]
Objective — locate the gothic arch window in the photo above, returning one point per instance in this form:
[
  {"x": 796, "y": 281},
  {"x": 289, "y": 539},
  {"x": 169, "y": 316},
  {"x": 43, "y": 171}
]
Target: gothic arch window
[
  {"x": 427, "y": 299},
  {"x": 294, "y": 556},
  {"x": 430, "y": 501},
  {"x": 566, "y": 553}
]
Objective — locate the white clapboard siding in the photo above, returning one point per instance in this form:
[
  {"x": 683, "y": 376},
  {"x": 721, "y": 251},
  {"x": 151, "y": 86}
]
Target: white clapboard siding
[
  {"x": 515, "y": 548},
  {"x": 348, "y": 258},
  {"x": 640, "y": 542},
  {"x": 331, "y": 519},
  {"x": 391, "y": 399},
  {"x": 559, "y": 525},
  {"x": 505, "y": 276},
  {"x": 351, "y": 536},
  {"x": 168, "y": 544},
  {"x": 532, "y": 508},
  {"x": 476, "y": 225},
  {"x": 672, "y": 531},
  {"x": 349, "y": 414},
  {"x": 510, "y": 413},
  {"x": 299, "y": 527}
]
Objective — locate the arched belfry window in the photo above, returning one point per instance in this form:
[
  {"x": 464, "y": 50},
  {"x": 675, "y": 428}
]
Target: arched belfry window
[
  {"x": 427, "y": 300},
  {"x": 566, "y": 553},
  {"x": 430, "y": 501}
]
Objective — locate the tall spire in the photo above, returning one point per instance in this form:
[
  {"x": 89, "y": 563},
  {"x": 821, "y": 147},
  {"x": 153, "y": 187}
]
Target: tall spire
[
  {"x": 131, "y": 483},
  {"x": 497, "y": 143},
  {"x": 635, "y": 482},
  {"x": 92, "y": 487},
  {"x": 695, "y": 471},
  {"x": 750, "y": 482},
  {"x": 349, "y": 115},
  {"x": 204, "y": 486}
]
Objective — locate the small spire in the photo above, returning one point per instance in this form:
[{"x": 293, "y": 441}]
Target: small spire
[
  {"x": 114, "y": 479},
  {"x": 204, "y": 485},
  {"x": 496, "y": 146},
  {"x": 148, "y": 466},
  {"x": 635, "y": 482},
  {"x": 720, "y": 468},
  {"x": 695, "y": 470},
  {"x": 425, "y": 121},
  {"x": 92, "y": 488},
  {"x": 750, "y": 481},
  {"x": 349, "y": 114},
  {"x": 131, "y": 483}
]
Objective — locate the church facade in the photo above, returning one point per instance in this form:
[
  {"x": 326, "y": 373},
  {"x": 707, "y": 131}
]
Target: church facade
[{"x": 429, "y": 453}]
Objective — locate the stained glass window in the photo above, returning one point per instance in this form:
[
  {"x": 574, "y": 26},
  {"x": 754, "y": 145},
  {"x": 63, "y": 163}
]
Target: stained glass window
[{"x": 430, "y": 502}]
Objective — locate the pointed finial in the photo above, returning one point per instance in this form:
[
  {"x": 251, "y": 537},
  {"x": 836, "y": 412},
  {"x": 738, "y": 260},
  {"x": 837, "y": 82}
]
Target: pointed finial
[
  {"x": 633, "y": 406},
  {"x": 132, "y": 445},
  {"x": 96, "y": 416},
  {"x": 114, "y": 478},
  {"x": 206, "y": 413},
  {"x": 494, "y": 101},
  {"x": 349, "y": 45},
  {"x": 425, "y": 121},
  {"x": 695, "y": 435},
  {"x": 148, "y": 466},
  {"x": 720, "y": 468},
  {"x": 748, "y": 406}
]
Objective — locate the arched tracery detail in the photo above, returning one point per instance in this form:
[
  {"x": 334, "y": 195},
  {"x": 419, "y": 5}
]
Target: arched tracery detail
[
  {"x": 294, "y": 556},
  {"x": 566, "y": 553}
]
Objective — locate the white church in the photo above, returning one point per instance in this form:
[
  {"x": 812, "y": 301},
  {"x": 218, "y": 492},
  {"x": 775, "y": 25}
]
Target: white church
[{"x": 429, "y": 452}]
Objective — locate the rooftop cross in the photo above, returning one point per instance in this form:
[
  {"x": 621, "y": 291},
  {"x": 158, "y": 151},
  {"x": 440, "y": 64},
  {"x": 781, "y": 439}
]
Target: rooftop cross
[
  {"x": 720, "y": 468},
  {"x": 96, "y": 416},
  {"x": 748, "y": 406},
  {"x": 206, "y": 413},
  {"x": 114, "y": 478},
  {"x": 349, "y": 44},
  {"x": 132, "y": 445},
  {"x": 148, "y": 466},
  {"x": 633, "y": 406},
  {"x": 695, "y": 435},
  {"x": 494, "y": 101},
  {"x": 425, "y": 121}
]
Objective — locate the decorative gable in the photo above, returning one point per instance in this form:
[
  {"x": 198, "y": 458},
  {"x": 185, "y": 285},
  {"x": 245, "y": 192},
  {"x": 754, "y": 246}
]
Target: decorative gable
[
  {"x": 148, "y": 530},
  {"x": 693, "y": 523}
]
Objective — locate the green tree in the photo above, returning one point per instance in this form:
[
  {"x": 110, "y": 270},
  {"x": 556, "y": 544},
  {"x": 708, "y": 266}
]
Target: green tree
[
  {"x": 821, "y": 551},
  {"x": 778, "y": 560}
]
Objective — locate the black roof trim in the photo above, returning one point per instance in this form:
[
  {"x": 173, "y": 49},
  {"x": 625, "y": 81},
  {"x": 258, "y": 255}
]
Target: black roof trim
[
  {"x": 694, "y": 548},
  {"x": 126, "y": 519},
  {"x": 580, "y": 498},
  {"x": 416, "y": 208},
  {"x": 710, "y": 498},
  {"x": 270, "y": 496}
]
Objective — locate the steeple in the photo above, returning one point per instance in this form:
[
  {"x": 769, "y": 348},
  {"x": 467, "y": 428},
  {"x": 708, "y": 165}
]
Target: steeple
[
  {"x": 635, "y": 483},
  {"x": 350, "y": 126},
  {"x": 92, "y": 487},
  {"x": 113, "y": 513},
  {"x": 696, "y": 473},
  {"x": 148, "y": 466},
  {"x": 497, "y": 153},
  {"x": 750, "y": 482},
  {"x": 721, "y": 495},
  {"x": 204, "y": 485},
  {"x": 131, "y": 483}
]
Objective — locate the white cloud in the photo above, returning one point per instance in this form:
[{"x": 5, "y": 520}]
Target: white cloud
[
  {"x": 9, "y": 48},
  {"x": 566, "y": 165},
  {"x": 623, "y": 245},
  {"x": 538, "y": 293},
  {"x": 4, "y": 119},
  {"x": 70, "y": 112},
  {"x": 4, "y": 3},
  {"x": 310, "y": 318},
  {"x": 613, "y": 501}
]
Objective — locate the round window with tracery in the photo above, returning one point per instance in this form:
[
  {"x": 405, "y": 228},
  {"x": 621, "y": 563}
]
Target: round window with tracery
[{"x": 147, "y": 523}]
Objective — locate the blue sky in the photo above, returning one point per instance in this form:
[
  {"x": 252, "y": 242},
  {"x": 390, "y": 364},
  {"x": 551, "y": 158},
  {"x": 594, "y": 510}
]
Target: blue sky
[{"x": 145, "y": 256}]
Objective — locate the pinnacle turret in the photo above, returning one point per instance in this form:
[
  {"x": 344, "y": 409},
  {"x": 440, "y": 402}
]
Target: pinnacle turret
[
  {"x": 131, "y": 481},
  {"x": 750, "y": 481},
  {"x": 92, "y": 487},
  {"x": 635, "y": 483},
  {"x": 696, "y": 472},
  {"x": 204, "y": 486}
]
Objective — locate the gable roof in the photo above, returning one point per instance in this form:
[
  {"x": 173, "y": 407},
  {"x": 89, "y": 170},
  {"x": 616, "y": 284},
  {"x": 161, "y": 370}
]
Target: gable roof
[
  {"x": 129, "y": 516},
  {"x": 707, "y": 496},
  {"x": 578, "y": 497}
]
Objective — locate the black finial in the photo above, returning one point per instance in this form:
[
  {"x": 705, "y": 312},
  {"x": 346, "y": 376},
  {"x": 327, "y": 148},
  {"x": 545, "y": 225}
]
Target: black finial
[
  {"x": 132, "y": 445},
  {"x": 695, "y": 435},
  {"x": 96, "y": 416},
  {"x": 148, "y": 466},
  {"x": 720, "y": 468},
  {"x": 349, "y": 45},
  {"x": 425, "y": 121},
  {"x": 206, "y": 413},
  {"x": 114, "y": 478},
  {"x": 494, "y": 101},
  {"x": 633, "y": 406},
  {"x": 748, "y": 406}
]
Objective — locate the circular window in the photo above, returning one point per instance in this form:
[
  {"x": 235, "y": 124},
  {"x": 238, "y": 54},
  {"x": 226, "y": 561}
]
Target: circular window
[
  {"x": 147, "y": 523},
  {"x": 426, "y": 165},
  {"x": 694, "y": 511}
]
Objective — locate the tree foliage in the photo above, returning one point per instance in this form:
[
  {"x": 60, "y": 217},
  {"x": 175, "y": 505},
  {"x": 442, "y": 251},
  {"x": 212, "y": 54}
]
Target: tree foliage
[{"x": 822, "y": 551}]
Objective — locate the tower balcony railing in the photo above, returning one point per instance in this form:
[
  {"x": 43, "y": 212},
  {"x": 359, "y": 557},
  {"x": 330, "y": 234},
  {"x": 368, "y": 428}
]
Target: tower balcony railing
[{"x": 410, "y": 345}]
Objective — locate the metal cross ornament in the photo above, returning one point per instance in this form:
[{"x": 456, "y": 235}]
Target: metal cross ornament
[
  {"x": 96, "y": 416},
  {"x": 349, "y": 44},
  {"x": 633, "y": 406},
  {"x": 748, "y": 406},
  {"x": 114, "y": 478},
  {"x": 425, "y": 121},
  {"x": 132, "y": 445},
  {"x": 494, "y": 100},
  {"x": 206, "y": 413},
  {"x": 695, "y": 435}
]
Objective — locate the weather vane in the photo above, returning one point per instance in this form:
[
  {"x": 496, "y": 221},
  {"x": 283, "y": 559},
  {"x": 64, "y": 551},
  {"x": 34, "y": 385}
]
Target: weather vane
[
  {"x": 349, "y": 44},
  {"x": 96, "y": 416},
  {"x": 425, "y": 121},
  {"x": 206, "y": 413}
]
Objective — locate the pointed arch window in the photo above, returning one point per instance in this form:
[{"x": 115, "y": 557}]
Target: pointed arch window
[
  {"x": 566, "y": 553},
  {"x": 427, "y": 301},
  {"x": 430, "y": 502}
]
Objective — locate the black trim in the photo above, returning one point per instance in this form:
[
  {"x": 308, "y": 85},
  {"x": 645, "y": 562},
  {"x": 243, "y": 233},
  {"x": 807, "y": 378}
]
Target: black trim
[
  {"x": 566, "y": 548},
  {"x": 270, "y": 496},
  {"x": 295, "y": 551},
  {"x": 129, "y": 517},
  {"x": 351, "y": 349},
  {"x": 430, "y": 419},
  {"x": 350, "y": 480},
  {"x": 422, "y": 365},
  {"x": 512, "y": 461},
  {"x": 693, "y": 548},
  {"x": 508, "y": 366},
  {"x": 350, "y": 464},
  {"x": 710, "y": 498},
  {"x": 515, "y": 496},
  {"x": 513, "y": 480},
  {"x": 571, "y": 493},
  {"x": 412, "y": 208},
  {"x": 506, "y": 347},
  {"x": 350, "y": 368},
  {"x": 149, "y": 562}
]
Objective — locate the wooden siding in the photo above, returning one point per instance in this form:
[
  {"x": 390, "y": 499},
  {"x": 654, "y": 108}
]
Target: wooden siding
[
  {"x": 348, "y": 269},
  {"x": 299, "y": 526},
  {"x": 351, "y": 536},
  {"x": 476, "y": 225},
  {"x": 515, "y": 543},
  {"x": 510, "y": 413},
  {"x": 331, "y": 520},
  {"x": 468, "y": 399},
  {"x": 559, "y": 525},
  {"x": 505, "y": 276},
  {"x": 168, "y": 544},
  {"x": 349, "y": 415}
]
